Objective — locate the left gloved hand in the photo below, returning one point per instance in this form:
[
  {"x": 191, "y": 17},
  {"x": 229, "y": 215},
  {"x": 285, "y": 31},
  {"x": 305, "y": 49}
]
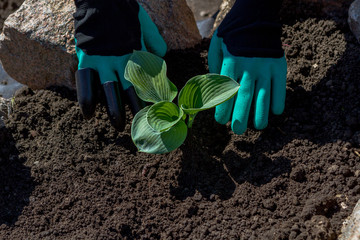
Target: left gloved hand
[
  {"x": 262, "y": 81},
  {"x": 247, "y": 48},
  {"x": 106, "y": 33}
]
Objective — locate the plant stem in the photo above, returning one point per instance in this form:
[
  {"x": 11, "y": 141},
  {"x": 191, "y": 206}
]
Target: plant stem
[{"x": 191, "y": 120}]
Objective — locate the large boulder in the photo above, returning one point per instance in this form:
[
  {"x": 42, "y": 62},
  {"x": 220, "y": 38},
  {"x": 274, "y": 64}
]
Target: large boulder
[
  {"x": 354, "y": 18},
  {"x": 37, "y": 44}
]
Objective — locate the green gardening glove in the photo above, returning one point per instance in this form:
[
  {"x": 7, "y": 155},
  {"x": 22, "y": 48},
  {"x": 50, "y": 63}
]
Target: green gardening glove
[{"x": 262, "y": 82}]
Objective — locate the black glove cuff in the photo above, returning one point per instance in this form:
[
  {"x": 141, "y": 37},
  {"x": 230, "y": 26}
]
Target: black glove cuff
[
  {"x": 107, "y": 27},
  {"x": 83, "y": 4},
  {"x": 252, "y": 29}
]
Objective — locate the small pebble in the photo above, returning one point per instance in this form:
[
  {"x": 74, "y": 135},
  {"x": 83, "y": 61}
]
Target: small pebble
[
  {"x": 343, "y": 205},
  {"x": 197, "y": 196},
  {"x": 204, "y": 13},
  {"x": 333, "y": 169}
]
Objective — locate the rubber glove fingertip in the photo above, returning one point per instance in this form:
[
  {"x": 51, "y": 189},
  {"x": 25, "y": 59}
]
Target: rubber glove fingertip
[
  {"x": 260, "y": 127},
  {"x": 261, "y": 114},
  {"x": 160, "y": 50},
  {"x": 278, "y": 110},
  {"x": 219, "y": 118},
  {"x": 222, "y": 113},
  {"x": 238, "y": 127}
]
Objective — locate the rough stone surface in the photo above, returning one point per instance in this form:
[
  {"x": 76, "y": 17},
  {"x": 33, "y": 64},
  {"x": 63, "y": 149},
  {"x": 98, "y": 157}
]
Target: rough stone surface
[
  {"x": 354, "y": 18},
  {"x": 225, "y": 7},
  {"x": 351, "y": 229},
  {"x": 37, "y": 45},
  {"x": 203, "y": 9},
  {"x": 175, "y": 21}
]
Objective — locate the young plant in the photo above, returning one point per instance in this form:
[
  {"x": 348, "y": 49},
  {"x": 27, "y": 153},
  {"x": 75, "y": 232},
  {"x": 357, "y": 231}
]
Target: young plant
[{"x": 162, "y": 127}]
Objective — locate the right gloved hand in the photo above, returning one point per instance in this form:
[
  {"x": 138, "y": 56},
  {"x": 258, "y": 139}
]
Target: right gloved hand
[
  {"x": 106, "y": 33},
  {"x": 262, "y": 83},
  {"x": 247, "y": 47}
]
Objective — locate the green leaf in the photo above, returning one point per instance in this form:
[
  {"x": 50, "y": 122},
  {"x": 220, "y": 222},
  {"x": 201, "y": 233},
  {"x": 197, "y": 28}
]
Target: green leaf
[
  {"x": 163, "y": 115},
  {"x": 147, "y": 72},
  {"x": 148, "y": 140},
  {"x": 206, "y": 91}
]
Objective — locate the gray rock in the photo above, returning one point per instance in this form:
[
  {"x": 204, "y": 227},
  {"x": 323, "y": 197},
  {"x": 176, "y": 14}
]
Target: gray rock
[
  {"x": 351, "y": 226},
  {"x": 175, "y": 21},
  {"x": 37, "y": 44},
  {"x": 225, "y": 8},
  {"x": 354, "y": 18},
  {"x": 205, "y": 26}
]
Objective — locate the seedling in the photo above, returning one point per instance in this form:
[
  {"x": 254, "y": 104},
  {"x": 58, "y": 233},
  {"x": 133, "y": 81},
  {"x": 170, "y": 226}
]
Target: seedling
[{"x": 163, "y": 126}]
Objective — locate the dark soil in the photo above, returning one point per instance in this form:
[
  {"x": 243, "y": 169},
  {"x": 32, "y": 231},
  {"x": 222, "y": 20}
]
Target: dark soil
[{"x": 62, "y": 177}]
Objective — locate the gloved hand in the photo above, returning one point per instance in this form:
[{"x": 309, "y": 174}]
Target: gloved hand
[
  {"x": 106, "y": 33},
  {"x": 257, "y": 62}
]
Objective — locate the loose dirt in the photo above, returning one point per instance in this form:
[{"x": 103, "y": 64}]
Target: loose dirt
[{"x": 62, "y": 177}]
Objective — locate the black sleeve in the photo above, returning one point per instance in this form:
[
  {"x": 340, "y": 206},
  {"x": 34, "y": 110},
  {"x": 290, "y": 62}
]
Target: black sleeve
[
  {"x": 252, "y": 28},
  {"x": 107, "y": 27}
]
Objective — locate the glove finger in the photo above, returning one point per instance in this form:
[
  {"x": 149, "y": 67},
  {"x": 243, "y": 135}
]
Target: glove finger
[
  {"x": 85, "y": 87},
  {"x": 115, "y": 107},
  {"x": 153, "y": 41},
  {"x": 135, "y": 103},
  {"x": 120, "y": 70},
  {"x": 243, "y": 103},
  {"x": 215, "y": 55},
  {"x": 278, "y": 86},
  {"x": 262, "y": 100},
  {"x": 224, "y": 110},
  {"x": 81, "y": 57}
]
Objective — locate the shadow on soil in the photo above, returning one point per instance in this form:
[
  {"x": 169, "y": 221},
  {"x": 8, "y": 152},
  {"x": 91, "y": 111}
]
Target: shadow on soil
[
  {"x": 16, "y": 183},
  {"x": 212, "y": 173}
]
